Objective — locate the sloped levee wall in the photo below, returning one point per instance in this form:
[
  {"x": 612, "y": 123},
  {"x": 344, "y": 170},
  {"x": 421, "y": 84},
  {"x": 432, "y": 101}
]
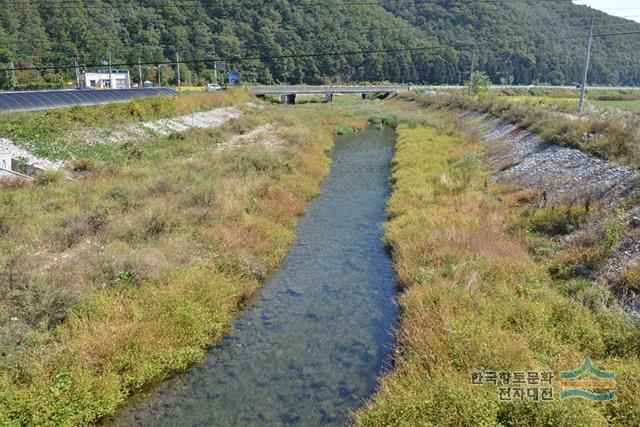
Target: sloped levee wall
[
  {"x": 524, "y": 160},
  {"x": 50, "y": 99}
]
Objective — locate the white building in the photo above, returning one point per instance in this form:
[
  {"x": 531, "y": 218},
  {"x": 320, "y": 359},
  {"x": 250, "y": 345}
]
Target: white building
[{"x": 120, "y": 79}]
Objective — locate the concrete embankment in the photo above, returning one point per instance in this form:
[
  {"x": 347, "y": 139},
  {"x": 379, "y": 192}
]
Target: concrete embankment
[
  {"x": 129, "y": 133},
  {"x": 522, "y": 159}
]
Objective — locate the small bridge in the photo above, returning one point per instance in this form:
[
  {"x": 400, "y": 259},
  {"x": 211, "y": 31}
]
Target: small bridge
[{"x": 288, "y": 93}]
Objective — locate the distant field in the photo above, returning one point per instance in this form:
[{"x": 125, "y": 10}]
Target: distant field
[
  {"x": 633, "y": 106},
  {"x": 572, "y": 103}
]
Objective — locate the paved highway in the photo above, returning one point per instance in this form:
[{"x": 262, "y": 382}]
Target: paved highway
[
  {"x": 335, "y": 89},
  {"x": 50, "y": 99}
]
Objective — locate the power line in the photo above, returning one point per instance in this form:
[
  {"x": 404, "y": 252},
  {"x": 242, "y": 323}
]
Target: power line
[
  {"x": 301, "y": 55},
  {"x": 71, "y": 4}
]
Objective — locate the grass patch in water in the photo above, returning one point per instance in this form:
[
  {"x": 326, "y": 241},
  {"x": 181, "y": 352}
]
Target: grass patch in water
[
  {"x": 385, "y": 120},
  {"x": 344, "y": 130},
  {"x": 475, "y": 299}
]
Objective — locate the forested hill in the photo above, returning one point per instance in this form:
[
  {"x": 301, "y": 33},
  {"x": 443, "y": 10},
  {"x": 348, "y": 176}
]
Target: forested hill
[
  {"x": 297, "y": 41},
  {"x": 529, "y": 41}
]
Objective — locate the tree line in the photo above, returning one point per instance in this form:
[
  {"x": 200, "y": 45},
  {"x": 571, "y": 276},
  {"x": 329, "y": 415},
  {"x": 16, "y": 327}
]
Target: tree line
[{"x": 513, "y": 42}]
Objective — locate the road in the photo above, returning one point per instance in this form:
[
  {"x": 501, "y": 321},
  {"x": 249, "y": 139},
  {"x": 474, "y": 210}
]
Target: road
[{"x": 368, "y": 89}]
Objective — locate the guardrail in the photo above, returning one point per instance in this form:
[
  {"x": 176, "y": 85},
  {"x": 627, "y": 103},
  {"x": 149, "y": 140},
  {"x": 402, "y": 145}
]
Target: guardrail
[{"x": 328, "y": 89}]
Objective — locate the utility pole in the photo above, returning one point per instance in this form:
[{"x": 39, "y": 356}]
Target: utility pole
[
  {"x": 473, "y": 64},
  {"x": 178, "y": 67},
  {"x": 583, "y": 89},
  {"x": 190, "y": 82},
  {"x": 109, "y": 62},
  {"x": 13, "y": 75},
  {"x": 75, "y": 62},
  {"x": 140, "y": 84},
  {"x": 159, "y": 77}
]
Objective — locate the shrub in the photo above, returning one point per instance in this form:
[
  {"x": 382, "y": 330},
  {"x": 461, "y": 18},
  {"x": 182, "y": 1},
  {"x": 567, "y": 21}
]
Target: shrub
[
  {"x": 466, "y": 167},
  {"x": 389, "y": 121},
  {"x": 83, "y": 165},
  {"x": 70, "y": 231},
  {"x": 48, "y": 177},
  {"x": 478, "y": 83},
  {"x": 613, "y": 230},
  {"x": 125, "y": 198},
  {"x": 254, "y": 161},
  {"x": 555, "y": 219},
  {"x": 579, "y": 260},
  {"x": 630, "y": 280},
  {"x": 344, "y": 130},
  {"x": 202, "y": 194},
  {"x": 375, "y": 119}
]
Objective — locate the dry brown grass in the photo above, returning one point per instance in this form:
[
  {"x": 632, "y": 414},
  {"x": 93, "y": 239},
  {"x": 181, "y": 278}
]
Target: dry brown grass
[
  {"x": 475, "y": 300},
  {"x": 125, "y": 276}
]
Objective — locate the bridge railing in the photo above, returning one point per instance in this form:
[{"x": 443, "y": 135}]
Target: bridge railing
[{"x": 302, "y": 89}]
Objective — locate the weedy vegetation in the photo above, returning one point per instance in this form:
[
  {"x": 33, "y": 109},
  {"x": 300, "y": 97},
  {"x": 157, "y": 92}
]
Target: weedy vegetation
[
  {"x": 611, "y": 135},
  {"x": 46, "y": 133},
  {"x": 116, "y": 280},
  {"x": 124, "y": 276},
  {"x": 475, "y": 298}
]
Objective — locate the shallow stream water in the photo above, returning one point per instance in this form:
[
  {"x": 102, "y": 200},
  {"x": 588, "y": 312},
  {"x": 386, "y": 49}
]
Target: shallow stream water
[{"x": 310, "y": 349}]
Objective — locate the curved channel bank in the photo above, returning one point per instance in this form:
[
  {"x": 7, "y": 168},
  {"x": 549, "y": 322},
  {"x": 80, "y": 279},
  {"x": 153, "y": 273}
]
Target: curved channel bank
[{"x": 312, "y": 346}]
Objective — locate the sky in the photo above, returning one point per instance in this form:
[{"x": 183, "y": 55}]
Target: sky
[{"x": 626, "y": 8}]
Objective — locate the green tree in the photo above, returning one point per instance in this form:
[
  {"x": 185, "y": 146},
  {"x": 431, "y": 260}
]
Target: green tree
[
  {"x": 478, "y": 83},
  {"x": 519, "y": 41}
]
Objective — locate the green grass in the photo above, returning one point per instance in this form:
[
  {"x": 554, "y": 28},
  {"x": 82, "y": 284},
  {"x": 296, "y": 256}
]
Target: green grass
[
  {"x": 633, "y": 106},
  {"x": 475, "y": 299},
  {"x": 49, "y": 133},
  {"x": 120, "y": 278},
  {"x": 571, "y": 104},
  {"x": 613, "y": 136},
  {"x": 123, "y": 277}
]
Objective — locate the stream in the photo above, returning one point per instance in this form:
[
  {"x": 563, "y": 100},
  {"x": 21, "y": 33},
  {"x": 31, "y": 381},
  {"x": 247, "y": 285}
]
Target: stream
[{"x": 312, "y": 346}]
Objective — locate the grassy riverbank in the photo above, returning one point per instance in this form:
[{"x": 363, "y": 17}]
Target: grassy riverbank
[
  {"x": 612, "y": 136},
  {"x": 116, "y": 280},
  {"x": 475, "y": 300},
  {"x": 49, "y": 133}
]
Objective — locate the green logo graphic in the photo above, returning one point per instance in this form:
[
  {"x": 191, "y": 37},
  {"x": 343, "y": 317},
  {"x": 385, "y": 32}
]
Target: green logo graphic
[{"x": 587, "y": 382}]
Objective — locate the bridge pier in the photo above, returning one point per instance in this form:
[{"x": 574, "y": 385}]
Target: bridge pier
[
  {"x": 328, "y": 97},
  {"x": 288, "y": 98}
]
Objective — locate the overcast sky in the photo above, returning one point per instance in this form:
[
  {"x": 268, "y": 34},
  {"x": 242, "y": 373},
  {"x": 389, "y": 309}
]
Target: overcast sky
[{"x": 626, "y": 8}]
